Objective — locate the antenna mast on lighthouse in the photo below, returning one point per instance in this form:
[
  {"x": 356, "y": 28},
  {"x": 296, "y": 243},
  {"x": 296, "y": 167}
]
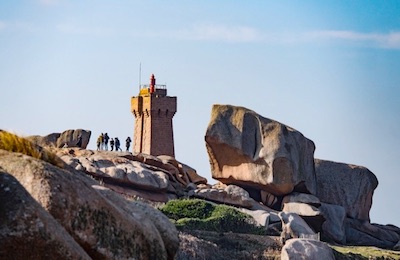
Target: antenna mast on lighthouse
[{"x": 140, "y": 75}]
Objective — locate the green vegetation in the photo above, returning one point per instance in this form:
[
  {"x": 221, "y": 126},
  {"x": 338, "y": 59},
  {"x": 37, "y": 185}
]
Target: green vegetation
[
  {"x": 13, "y": 143},
  {"x": 196, "y": 214},
  {"x": 363, "y": 252}
]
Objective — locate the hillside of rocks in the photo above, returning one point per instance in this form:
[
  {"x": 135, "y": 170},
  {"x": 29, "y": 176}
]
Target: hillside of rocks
[
  {"x": 275, "y": 164},
  {"x": 100, "y": 204}
]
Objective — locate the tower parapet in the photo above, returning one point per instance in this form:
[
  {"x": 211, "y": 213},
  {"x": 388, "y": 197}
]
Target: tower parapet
[{"x": 153, "y": 111}]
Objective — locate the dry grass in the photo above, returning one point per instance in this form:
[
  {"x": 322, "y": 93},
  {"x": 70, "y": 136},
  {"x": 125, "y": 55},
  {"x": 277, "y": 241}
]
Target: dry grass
[
  {"x": 364, "y": 252},
  {"x": 13, "y": 143}
]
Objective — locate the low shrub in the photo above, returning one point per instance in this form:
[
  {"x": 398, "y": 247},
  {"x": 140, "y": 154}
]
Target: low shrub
[
  {"x": 196, "y": 214},
  {"x": 13, "y": 143},
  {"x": 188, "y": 208}
]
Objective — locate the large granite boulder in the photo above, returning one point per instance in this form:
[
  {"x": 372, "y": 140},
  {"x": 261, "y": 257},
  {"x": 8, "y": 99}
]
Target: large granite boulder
[
  {"x": 231, "y": 195},
  {"x": 45, "y": 141},
  {"x": 247, "y": 149},
  {"x": 27, "y": 231},
  {"x": 306, "y": 249},
  {"x": 70, "y": 138},
  {"x": 359, "y": 232},
  {"x": 186, "y": 172},
  {"x": 95, "y": 221},
  {"x": 347, "y": 185},
  {"x": 74, "y": 138},
  {"x": 150, "y": 177},
  {"x": 306, "y": 206},
  {"x": 397, "y": 246},
  {"x": 333, "y": 229},
  {"x": 262, "y": 217},
  {"x": 293, "y": 226},
  {"x": 297, "y": 197},
  {"x": 144, "y": 213},
  {"x": 118, "y": 168}
]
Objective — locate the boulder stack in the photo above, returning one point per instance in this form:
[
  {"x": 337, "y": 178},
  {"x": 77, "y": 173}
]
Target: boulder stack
[
  {"x": 275, "y": 164},
  {"x": 247, "y": 149}
]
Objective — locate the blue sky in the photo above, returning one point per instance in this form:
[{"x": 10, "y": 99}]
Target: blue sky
[{"x": 329, "y": 69}]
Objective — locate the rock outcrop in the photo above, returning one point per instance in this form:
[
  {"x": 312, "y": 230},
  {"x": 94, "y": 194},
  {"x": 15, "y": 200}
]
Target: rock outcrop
[
  {"x": 265, "y": 168},
  {"x": 71, "y": 138},
  {"x": 29, "y": 231},
  {"x": 294, "y": 226},
  {"x": 231, "y": 195},
  {"x": 306, "y": 249},
  {"x": 333, "y": 229},
  {"x": 105, "y": 226},
  {"x": 247, "y": 149},
  {"x": 306, "y": 206},
  {"x": 150, "y": 177},
  {"x": 276, "y": 165},
  {"x": 359, "y": 232},
  {"x": 349, "y": 186}
]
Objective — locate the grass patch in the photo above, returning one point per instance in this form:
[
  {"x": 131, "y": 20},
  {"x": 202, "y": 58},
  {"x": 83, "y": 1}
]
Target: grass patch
[
  {"x": 13, "y": 143},
  {"x": 196, "y": 214},
  {"x": 363, "y": 252}
]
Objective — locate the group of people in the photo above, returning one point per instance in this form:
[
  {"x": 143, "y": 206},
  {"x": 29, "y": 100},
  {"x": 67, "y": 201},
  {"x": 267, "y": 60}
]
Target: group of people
[{"x": 102, "y": 143}]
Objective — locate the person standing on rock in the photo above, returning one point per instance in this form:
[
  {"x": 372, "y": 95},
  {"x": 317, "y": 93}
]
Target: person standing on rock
[
  {"x": 102, "y": 141},
  {"x": 112, "y": 144},
  {"x": 99, "y": 143},
  {"x": 106, "y": 138},
  {"x": 117, "y": 145},
  {"x": 128, "y": 143}
]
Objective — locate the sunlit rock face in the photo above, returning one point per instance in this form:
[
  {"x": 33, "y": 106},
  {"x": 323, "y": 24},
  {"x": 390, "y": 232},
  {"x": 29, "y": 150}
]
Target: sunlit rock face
[
  {"x": 102, "y": 223},
  {"x": 247, "y": 149}
]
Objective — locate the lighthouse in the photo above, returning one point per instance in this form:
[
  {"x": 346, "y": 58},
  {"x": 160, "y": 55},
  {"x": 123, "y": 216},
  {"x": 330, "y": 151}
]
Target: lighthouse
[{"x": 153, "y": 111}]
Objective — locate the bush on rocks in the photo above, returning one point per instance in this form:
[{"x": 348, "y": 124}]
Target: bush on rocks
[{"x": 196, "y": 214}]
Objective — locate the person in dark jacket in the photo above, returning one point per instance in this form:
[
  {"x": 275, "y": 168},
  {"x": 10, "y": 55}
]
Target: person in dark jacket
[
  {"x": 117, "y": 144},
  {"x": 112, "y": 144},
  {"x": 106, "y": 138},
  {"x": 128, "y": 143}
]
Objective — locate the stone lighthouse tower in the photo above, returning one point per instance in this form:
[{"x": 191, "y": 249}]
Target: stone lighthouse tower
[{"x": 153, "y": 111}]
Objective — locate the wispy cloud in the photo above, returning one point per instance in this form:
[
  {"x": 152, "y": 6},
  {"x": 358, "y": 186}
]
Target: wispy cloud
[
  {"x": 209, "y": 32},
  {"x": 389, "y": 40},
  {"x": 224, "y": 33},
  {"x": 245, "y": 34}
]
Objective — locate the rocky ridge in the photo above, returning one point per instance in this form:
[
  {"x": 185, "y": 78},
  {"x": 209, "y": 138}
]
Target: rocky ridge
[
  {"x": 275, "y": 164},
  {"x": 265, "y": 169}
]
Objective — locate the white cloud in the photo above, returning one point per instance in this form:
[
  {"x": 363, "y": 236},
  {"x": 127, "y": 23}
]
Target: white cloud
[
  {"x": 209, "y": 33},
  {"x": 383, "y": 40},
  {"x": 225, "y": 33},
  {"x": 391, "y": 40},
  {"x": 245, "y": 34}
]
